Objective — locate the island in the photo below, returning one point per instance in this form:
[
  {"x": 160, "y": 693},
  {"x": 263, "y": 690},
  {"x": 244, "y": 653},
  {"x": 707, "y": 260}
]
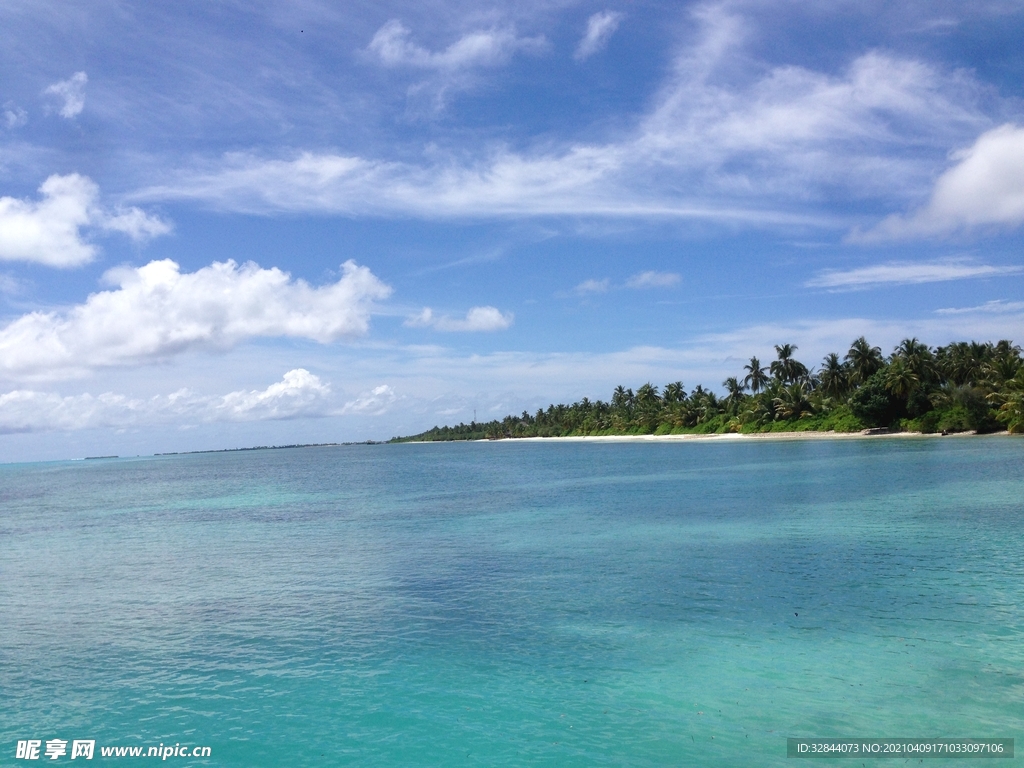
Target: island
[{"x": 960, "y": 387}]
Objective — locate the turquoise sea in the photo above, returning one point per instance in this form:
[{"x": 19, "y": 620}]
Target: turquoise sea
[{"x": 560, "y": 604}]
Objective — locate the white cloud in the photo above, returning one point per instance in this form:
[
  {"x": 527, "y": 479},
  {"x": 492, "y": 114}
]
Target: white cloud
[
  {"x": 70, "y": 93},
  {"x": 157, "y": 312},
  {"x": 14, "y": 116},
  {"x": 134, "y": 222},
  {"x": 803, "y": 133},
  {"x": 907, "y": 273},
  {"x": 593, "y": 286},
  {"x": 476, "y": 319},
  {"x": 998, "y": 306},
  {"x": 373, "y": 403},
  {"x": 600, "y": 27},
  {"x": 647, "y": 279},
  {"x": 457, "y": 67},
  {"x": 984, "y": 189},
  {"x": 785, "y": 133},
  {"x": 713, "y": 148},
  {"x": 10, "y": 285},
  {"x": 423, "y": 319},
  {"x": 432, "y": 383},
  {"x": 299, "y": 394},
  {"x": 49, "y": 231},
  {"x": 652, "y": 279},
  {"x": 483, "y": 48}
]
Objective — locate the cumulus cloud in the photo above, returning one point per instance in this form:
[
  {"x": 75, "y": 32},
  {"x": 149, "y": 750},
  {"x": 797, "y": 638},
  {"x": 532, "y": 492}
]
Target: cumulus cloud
[
  {"x": 907, "y": 273},
  {"x": 652, "y": 279},
  {"x": 600, "y": 27},
  {"x": 156, "y": 312},
  {"x": 299, "y": 394},
  {"x": 49, "y": 231},
  {"x": 373, "y": 403},
  {"x": 70, "y": 94},
  {"x": 984, "y": 189},
  {"x": 476, "y": 319}
]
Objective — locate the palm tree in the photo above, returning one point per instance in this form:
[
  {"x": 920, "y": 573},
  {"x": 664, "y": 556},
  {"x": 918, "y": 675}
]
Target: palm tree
[
  {"x": 956, "y": 364},
  {"x": 756, "y": 378},
  {"x": 786, "y": 369},
  {"x": 834, "y": 378},
  {"x": 620, "y": 399},
  {"x": 1011, "y": 403},
  {"x": 648, "y": 406},
  {"x": 864, "y": 360},
  {"x": 705, "y": 404},
  {"x": 674, "y": 392},
  {"x": 735, "y": 390},
  {"x": 760, "y": 412},
  {"x": 919, "y": 359},
  {"x": 792, "y": 402},
  {"x": 647, "y": 397},
  {"x": 900, "y": 378},
  {"x": 1002, "y": 364}
]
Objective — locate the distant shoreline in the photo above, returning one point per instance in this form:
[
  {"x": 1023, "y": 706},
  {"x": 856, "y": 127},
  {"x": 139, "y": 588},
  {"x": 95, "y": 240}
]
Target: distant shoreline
[
  {"x": 726, "y": 437},
  {"x": 253, "y": 448}
]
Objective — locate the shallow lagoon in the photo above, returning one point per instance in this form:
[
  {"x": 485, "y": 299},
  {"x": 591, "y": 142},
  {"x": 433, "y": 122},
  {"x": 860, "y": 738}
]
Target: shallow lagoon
[{"x": 516, "y": 603}]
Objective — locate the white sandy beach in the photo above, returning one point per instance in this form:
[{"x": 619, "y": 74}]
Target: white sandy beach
[{"x": 732, "y": 436}]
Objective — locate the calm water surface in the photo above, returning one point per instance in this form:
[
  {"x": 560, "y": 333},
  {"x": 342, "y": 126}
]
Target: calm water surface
[{"x": 516, "y": 603}]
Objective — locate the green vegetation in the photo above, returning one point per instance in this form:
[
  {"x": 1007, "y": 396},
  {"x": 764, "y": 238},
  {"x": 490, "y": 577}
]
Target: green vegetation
[{"x": 962, "y": 387}]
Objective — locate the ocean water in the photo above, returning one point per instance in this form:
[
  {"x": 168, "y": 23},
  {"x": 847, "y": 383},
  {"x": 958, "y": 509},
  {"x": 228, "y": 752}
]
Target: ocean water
[{"x": 508, "y": 603}]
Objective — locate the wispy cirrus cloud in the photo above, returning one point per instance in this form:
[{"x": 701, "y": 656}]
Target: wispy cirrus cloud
[
  {"x": 454, "y": 68},
  {"x": 593, "y": 286},
  {"x": 393, "y": 47},
  {"x": 640, "y": 281},
  {"x": 157, "y": 312},
  {"x": 712, "y": 147},
  {"x": 477, "y": 319},
  {"x": 69, "y": 95},
  {"x": 50, "y": 231},
  {"x": 14, "y": 116},
  {"x": 907, "y": 273},
  {"x": 653, "y": 279},
  {"x": 600, "y": 28},
  {"x": 996, "y": 306}
]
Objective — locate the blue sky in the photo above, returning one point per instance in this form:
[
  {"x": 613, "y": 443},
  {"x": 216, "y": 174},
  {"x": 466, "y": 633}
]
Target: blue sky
[{"x": 228, "y": 224}]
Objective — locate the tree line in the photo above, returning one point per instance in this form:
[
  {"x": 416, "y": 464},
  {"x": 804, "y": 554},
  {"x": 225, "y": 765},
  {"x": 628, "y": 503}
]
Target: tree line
[{"x": 964, "y": 386}]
